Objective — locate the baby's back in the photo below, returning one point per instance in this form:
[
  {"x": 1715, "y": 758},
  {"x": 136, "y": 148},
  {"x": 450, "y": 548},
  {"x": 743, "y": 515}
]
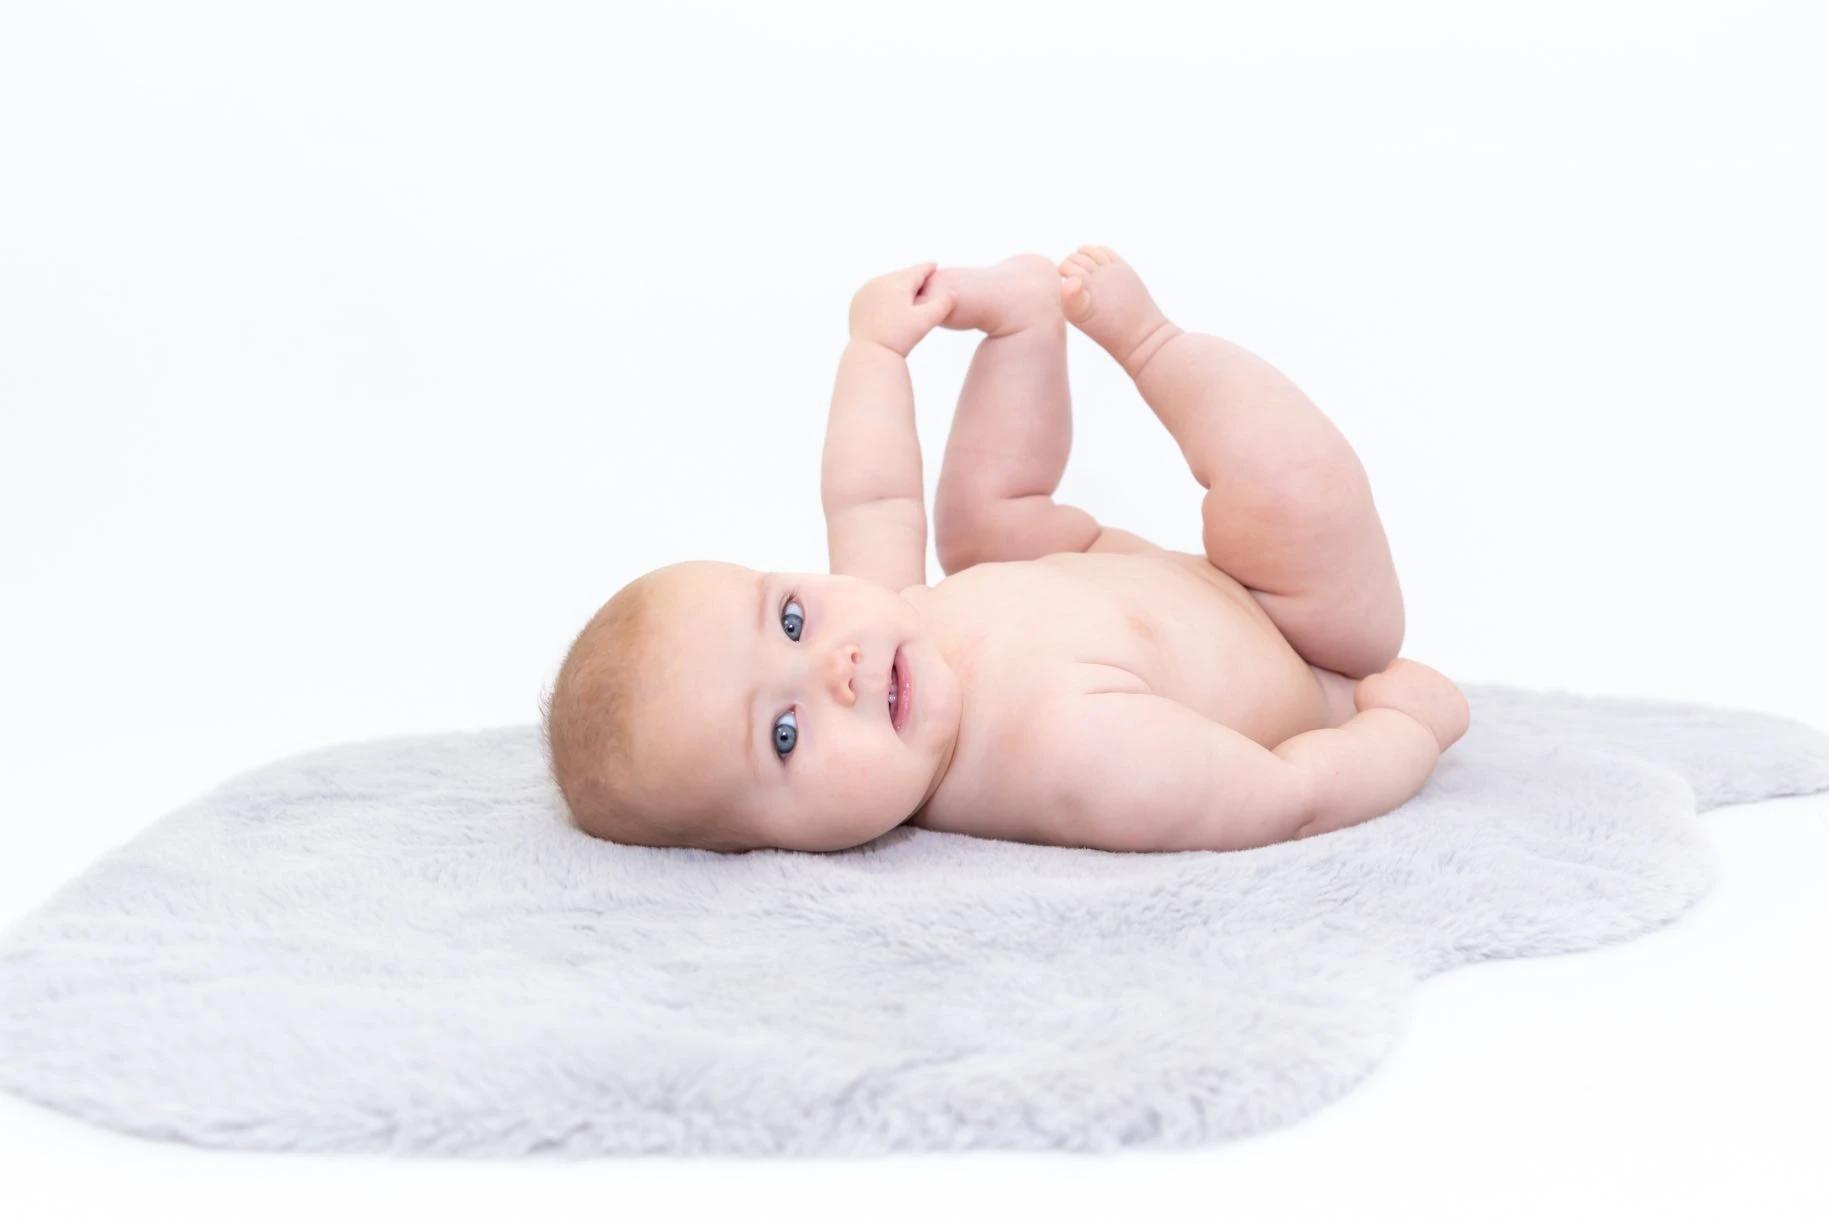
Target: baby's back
[{"x": 1158, "y": 622}]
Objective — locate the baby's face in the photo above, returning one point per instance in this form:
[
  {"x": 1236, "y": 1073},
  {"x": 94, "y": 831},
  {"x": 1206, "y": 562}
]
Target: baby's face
[{"x": 772, "y": 702}]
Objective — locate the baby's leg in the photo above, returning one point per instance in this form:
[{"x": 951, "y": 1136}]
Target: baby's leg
[
  {"x": 1288, "y": 511},
  {"x": 1013, "y": 428}
]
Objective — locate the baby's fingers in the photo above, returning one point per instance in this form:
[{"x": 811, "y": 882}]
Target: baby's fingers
[{"x": 935, "y": 309}]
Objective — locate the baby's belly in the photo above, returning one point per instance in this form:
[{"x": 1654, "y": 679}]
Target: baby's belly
[{"x": 1193, "y": 634}]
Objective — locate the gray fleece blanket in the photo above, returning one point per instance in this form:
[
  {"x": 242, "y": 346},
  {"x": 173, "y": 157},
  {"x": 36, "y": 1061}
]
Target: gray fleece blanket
[{"x": 400, "y": 945}]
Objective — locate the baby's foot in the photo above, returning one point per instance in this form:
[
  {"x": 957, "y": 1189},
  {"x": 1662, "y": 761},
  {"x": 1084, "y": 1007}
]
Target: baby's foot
[
  {"x": 1104, "y": 296},
  {"x": 1001, "y": 299}
]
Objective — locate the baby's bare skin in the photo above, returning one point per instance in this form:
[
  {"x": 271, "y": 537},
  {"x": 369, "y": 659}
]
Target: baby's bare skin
[
  {"x": 1067, "y": 683},
  {"x": 1086, "y": 653},
  {"x": 1122, "y": 617}
]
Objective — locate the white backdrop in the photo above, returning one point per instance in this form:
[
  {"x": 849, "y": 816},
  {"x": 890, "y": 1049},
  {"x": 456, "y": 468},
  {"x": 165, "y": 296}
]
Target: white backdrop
[{"x": 352, "y": 354}]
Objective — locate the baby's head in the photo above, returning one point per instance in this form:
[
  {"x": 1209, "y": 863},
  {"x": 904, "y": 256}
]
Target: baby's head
[{"x": 709, "y": 705}]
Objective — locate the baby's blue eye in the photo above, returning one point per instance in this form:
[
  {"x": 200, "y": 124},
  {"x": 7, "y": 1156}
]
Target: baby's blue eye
[
  {"x": 792, "y": 619},
  {"x": 785, "y": 732}
]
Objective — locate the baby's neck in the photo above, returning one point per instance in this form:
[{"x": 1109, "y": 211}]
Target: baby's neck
[{"x": 956, "y": 642}]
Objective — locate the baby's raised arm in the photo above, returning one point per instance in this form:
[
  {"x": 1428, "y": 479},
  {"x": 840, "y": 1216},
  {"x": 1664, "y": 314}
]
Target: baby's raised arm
[{"x": 870, "y": 472}]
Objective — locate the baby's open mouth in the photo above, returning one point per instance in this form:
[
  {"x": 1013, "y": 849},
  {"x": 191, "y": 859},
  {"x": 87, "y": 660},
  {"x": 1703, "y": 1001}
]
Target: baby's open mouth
[{"x": 900, "y": 689}]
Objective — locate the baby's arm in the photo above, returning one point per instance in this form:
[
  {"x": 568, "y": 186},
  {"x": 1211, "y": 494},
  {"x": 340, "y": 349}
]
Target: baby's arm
[
  {"x": 1364, "y": 768},
  {"x": 1409, "y": 715},
  {"x": 1139, "y": 772},
  {"x": 870, "y": 472}
]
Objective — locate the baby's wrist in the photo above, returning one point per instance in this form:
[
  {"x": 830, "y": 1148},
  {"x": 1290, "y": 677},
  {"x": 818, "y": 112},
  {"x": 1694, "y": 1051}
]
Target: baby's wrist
[{"x": 863, "y": 339}]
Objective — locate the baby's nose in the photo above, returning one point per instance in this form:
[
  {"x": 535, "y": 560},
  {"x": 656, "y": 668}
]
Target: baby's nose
[{"x": 841, "y": 667}]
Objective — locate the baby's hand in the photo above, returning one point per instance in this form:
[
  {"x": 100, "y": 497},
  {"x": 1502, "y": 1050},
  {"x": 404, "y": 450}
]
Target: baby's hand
[
  {"x": 1420, "y": 693},
  {"x": 891, "y": 310}
]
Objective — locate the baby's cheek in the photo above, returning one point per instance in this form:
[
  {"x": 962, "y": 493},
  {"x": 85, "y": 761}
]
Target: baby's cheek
[{"x": 853, "y": 786}]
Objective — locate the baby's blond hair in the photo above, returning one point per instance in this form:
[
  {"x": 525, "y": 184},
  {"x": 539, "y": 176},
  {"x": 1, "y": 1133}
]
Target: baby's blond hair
[{"x": 590, "y": 721}]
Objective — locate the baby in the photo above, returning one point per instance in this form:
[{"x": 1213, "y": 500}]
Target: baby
[{"x": 1067, "y": 683}]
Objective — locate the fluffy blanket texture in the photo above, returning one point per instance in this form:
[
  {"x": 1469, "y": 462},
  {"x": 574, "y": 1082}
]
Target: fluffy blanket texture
[{"x": 401, "y": 945}]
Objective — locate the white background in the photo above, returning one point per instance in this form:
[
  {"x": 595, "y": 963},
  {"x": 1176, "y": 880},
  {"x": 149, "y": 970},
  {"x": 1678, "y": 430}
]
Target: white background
[{"x": 352, "y": 354}]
